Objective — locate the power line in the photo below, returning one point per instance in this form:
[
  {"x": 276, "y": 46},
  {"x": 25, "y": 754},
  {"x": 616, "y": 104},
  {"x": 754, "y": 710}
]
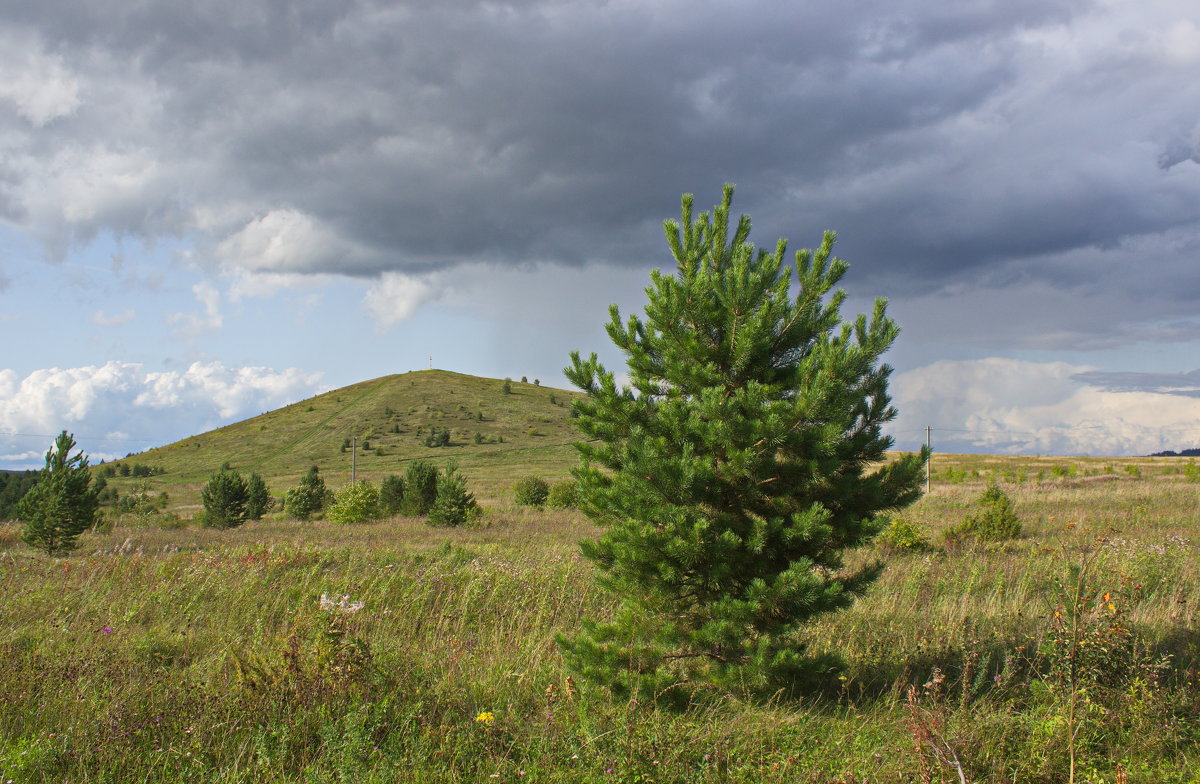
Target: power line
[{"x": 78, "y": 436}]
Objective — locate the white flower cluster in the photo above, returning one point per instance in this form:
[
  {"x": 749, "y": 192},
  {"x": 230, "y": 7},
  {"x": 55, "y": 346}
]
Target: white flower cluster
[{"x": 341, "y": 605}]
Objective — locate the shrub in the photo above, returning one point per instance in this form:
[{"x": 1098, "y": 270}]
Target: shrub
[
  {"x": 562, "y": 494},
  {"x": 437, "y": 437},
  {"x": 454, "y": 505},
  {"x": 995, "y": 521},
  {"x": 507, "y": 387},
  {"x": 358, "y": 503},
  {"x": 420, "y": 487},
  {"x": 258, "y": 498},
  {"x": 902, "y": 535},
  {"x": 224, "y": 499},
  {"x": 62, "y": 504},
  {"x": 307, "y": 498},
  {"x": 530, "y": 491},
  {"x": 391, "y": 495}
]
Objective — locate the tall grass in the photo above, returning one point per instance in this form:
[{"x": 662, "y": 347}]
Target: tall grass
[{"x": 199, "y": 655}]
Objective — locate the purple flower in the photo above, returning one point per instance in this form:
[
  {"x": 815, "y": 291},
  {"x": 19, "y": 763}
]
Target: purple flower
[{"x": 108, "y": 630}]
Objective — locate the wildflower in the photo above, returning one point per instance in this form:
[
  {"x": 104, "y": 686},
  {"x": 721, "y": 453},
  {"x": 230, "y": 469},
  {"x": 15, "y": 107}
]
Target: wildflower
[
  {"x": 486, "y": 718},
  {"x": 108, "y": 630},
  {"x": 343, "y": 604}
]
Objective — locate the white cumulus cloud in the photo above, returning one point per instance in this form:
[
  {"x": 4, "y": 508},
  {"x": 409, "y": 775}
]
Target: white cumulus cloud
[
  {"x": 191, "y": 325},
  {"x": 120, "y": 407},
  {"x": 1017, "y": 406},
  {"x": 396, "y": 297},
  {"x": 39, "y": 85}
]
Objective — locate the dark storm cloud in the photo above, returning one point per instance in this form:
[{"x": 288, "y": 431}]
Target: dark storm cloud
[
  {"x": 1184, "y": 384},
  {"x": 999, "y": 143}
]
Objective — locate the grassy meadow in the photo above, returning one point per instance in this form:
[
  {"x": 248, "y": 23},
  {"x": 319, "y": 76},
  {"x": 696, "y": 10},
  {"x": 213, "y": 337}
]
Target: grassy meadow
[{"x": 284, "y": 651}]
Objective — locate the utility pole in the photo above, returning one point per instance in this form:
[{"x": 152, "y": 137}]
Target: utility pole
[
  {"x": 928, "y": 446},
  {"x": 431, "y": 361},
  {"x": 354, "y": 462}
]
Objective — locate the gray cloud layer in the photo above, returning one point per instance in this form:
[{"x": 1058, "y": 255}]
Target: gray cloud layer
[{"x": 1003, "y": 146}]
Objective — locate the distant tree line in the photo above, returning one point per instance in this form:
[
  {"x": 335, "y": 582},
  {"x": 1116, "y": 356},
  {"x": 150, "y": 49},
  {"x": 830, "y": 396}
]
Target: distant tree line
[
  {"x": 13, "y": 487},
  {"x": 126, "y": 469},
  {"x": 1181, "y": 453}
]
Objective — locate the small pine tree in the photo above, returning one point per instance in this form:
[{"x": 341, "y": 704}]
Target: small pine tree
[
  {"x": 307, "y": 498},
  {"x": 62, "y": 504},
  {"x": 391, "y": 495},
  {"x": 453, "y": 505},
  {"x": 506, "y": 388},
  {"x": 357, "y": 503},
  {"x": 224, "y": 499},
  {"x": 747, "y": 455},
  {"x": 995, "y": 521},
  {"x": 530, "y": 491},
  {"x": 258, "y": 498},
  {"x": 420, "y": 488}
]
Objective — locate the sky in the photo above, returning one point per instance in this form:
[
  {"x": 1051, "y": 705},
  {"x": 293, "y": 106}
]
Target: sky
[{"x": 208, "y": 210}]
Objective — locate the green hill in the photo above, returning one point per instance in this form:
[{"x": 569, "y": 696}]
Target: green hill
[{"x": 526, "y": 432}]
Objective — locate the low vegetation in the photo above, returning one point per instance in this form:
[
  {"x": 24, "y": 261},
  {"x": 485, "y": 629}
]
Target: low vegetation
[{"x": 210, "y": 655}]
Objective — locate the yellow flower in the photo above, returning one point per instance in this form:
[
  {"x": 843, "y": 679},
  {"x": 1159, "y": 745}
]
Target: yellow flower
[{"x": 487, "y": 718}]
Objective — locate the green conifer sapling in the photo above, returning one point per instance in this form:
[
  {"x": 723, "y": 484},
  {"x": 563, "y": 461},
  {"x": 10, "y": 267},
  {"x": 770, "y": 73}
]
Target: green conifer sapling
[{"x": 745, "y": 457}]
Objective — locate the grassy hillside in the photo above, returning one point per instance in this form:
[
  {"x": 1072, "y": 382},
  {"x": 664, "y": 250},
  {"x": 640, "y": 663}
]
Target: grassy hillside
[{"x": 527, "y": 431}]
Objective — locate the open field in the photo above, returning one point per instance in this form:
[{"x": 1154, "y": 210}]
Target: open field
[{"x": 197, "y": 655}]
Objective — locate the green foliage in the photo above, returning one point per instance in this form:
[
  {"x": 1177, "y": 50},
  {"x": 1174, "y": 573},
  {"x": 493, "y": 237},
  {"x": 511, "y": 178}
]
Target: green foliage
[
  {"x": 530, "y": 491},
  {"x": 1191, "y": 471},
  {"x": 1134, "y": 471},
  {"x": 420, "y": 488},
  {"x": 995, "y": 521},
  {"x": 258, "y": 498},
  {"x": 902, "y": 535},
  {"x": 437, "y": 437},
  {"x": 141, "y": 504},
  {"x": 563, "y": 495},
  {"x": 357, "y": 503},
  {"x": 225, "y": 498},
  {"x": 62, "y": 504},
  {"x": 13, "y": 487},
  {"x": 307, "y": 498},
  {"x": 747, "y": 455},
  {"x": 391, "y": 495},
  {"x": 453, "y": 505},
  {"x": 506, "y": 388}
]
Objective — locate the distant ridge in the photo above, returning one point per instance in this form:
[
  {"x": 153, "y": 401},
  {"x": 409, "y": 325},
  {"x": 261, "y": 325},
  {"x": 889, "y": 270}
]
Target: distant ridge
[{"x": 1183, "y": 453}]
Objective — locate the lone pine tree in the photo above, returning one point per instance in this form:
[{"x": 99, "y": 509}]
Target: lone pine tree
[
  {"x": 745, "y": 457},
  {"x": 62, "y": 505}
]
